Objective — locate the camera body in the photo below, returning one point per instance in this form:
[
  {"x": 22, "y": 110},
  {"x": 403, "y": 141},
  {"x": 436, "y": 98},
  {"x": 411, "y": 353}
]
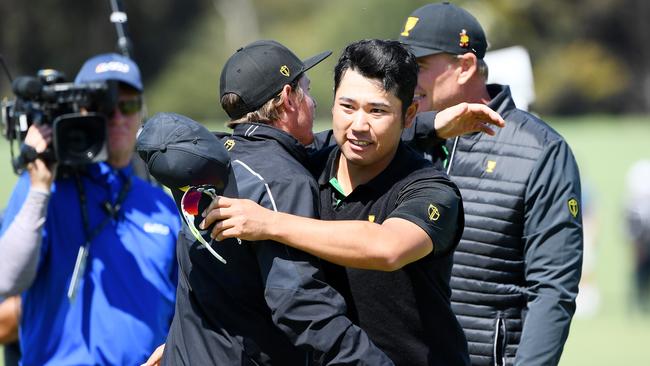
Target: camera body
[{"x": 77, "y": 114}]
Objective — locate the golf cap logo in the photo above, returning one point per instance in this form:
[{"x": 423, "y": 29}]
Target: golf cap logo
[
  {"x": 573, "y": 207},
  {"x": 112, "y": 66},
  {"x": 464, "y": 39},
  {"x": 434, "y": 213},
  {"x": 410, "y": 24},
  {"x": 284, "y": 70}
]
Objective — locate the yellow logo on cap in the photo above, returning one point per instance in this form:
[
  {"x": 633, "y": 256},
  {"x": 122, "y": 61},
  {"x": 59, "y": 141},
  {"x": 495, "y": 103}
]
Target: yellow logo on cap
[
  {"x": 434, "y": 213},
  {"x": 491, "y": 164},
  {"x": 284, "y": 70},
  {"x": 464, "y": 39},
  {"x": 410, "y": 23},
  {"x": 573, "y": 207},
  {"x": 371, "y": 218},
  {"x": 229, "y": 144}
]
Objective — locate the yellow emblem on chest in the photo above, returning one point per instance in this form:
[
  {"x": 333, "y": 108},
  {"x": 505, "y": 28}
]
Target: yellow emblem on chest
[{"x": 491, "y": 164}]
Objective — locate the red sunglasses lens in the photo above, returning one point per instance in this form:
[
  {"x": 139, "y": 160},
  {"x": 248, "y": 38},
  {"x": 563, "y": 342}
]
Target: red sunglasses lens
[{"x": 191, "y": 201}]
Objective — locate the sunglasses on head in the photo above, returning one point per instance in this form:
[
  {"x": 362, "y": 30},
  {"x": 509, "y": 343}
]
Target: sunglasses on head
[{"x": 194, "y": 201}]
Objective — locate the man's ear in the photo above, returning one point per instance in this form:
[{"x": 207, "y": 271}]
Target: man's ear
[
  {"x": 468, "y": 67},
  {"x": 288, "y": 98},
  {"x": 410, "y": 114}
]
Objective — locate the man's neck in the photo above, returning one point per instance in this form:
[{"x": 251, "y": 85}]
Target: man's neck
[
  {"x": 351, "y": 175},
  {"x": 119, "y": 162},
  {"x": 476, "y": 92}
]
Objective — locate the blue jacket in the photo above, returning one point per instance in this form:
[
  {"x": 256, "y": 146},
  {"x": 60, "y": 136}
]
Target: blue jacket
[{"x": 126, "y": 297}]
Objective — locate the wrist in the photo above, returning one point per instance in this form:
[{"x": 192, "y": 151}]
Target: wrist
[{"x": 272, "y": 228}]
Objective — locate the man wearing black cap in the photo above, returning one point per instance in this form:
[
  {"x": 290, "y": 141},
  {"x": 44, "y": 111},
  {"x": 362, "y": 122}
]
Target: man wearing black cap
[
  {"x": 516, "y": 270},
  {"x": 263, "y": 304},
  {"x": 91, "y": 252}
]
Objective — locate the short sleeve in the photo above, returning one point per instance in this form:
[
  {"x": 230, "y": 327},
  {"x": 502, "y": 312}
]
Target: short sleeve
[{"x": 435, "y": 206}]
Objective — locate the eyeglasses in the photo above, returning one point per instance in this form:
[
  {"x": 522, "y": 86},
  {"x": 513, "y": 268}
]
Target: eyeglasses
[
  {"x": 129, "y": 107},
  {"x": 194, "y": 201}
]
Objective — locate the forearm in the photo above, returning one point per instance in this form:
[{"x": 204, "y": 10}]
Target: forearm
[
  {"x": 9, "y": 319},
  {"x": 20, "y": 244},
  {"x": 356, "y": 244},
  {"x": 546, "y": 329}
]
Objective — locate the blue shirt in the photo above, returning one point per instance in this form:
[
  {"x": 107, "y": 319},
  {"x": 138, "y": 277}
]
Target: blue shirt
[{"x": 125, "y": 301}]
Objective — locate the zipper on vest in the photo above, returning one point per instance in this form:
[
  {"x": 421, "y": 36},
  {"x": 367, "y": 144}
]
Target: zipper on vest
[{"x": 500, "y": 336}]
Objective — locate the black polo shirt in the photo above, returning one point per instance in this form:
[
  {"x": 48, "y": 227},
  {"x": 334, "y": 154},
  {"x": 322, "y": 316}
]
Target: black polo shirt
[{"x": 407, "y": 312}]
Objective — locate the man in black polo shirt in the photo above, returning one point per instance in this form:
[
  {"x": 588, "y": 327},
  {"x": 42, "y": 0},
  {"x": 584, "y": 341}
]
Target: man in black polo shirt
[{"x": 398, "y": 219}]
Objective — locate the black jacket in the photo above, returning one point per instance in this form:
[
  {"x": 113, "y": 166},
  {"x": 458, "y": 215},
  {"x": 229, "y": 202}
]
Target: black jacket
[
  {"x": 516, "y": 270},
  {"x": 269, "y": 305}
]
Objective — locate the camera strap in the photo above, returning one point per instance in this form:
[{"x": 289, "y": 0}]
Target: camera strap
[{"x": 112, "y": 213}]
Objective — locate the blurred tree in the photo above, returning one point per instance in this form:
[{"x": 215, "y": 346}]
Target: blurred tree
[
  {"x": 588, "y": 55},
  {"x": 49, "y": 33}
]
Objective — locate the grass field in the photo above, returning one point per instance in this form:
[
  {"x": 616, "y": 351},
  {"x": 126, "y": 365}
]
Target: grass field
[{"x": 605, "y": 147}]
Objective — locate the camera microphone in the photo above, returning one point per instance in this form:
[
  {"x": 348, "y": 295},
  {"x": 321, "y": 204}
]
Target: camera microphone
[{"x": 27, "y": 87}]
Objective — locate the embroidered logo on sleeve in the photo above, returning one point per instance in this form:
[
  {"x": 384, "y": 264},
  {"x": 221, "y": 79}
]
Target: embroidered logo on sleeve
[
  {"x": 434, "y": 213},
  {"x": 229, "y": 144},
  {"x": 573, "y": 207},
  {"x": 371, "y": 218}
]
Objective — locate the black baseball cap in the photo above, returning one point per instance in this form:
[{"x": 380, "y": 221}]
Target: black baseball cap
[
  {"x": 180, "y": 152},
  {"x": 258, "y": 72},
  {"x": 443, "y": 28}
]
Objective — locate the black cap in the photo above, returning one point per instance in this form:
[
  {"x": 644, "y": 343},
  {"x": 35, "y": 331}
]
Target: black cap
[
  {"x": 443, "y": 27},
  {"x": 181, "y": 152},
  {"x": 258, "y": 72}
]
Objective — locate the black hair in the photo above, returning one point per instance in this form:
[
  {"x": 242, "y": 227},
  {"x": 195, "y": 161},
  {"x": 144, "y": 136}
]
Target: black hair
[{"x": 385, "y": 60}]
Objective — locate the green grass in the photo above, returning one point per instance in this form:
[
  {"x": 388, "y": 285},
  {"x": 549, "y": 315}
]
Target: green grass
[{"x": 605, "y": 147}]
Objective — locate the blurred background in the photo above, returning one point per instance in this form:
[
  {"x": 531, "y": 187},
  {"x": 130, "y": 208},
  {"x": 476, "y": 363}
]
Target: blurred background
[{"x": 586, "y": 72}]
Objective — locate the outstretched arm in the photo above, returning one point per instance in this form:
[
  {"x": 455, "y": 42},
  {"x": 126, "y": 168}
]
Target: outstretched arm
[
  {"x": 399, "y": 240},
  {"x": 395, "y": 243},
  {"x": 466, "y": 118}
]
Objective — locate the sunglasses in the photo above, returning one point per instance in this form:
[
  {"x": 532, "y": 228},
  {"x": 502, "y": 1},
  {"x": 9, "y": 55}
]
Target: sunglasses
[
  {"x": 194, "y": 201},
  {"x": 129, "y": 107}
]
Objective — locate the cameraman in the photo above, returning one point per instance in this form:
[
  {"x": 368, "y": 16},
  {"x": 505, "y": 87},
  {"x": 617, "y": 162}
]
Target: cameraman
[{"x": 124, "y": 300}]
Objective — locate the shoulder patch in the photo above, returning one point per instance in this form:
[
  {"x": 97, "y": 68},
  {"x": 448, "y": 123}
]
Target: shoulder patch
[
  {"x": 229, "y": 144},
  {"x": 434, "y": 213},
  {"x": 573, "y": 207}
]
